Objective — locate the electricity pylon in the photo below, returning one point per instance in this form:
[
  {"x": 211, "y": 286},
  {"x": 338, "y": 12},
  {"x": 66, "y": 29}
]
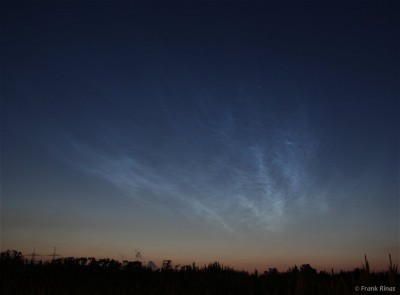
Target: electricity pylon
[
  {"x": 33, "y": 255},
  {"x": 53, "y": 255}
]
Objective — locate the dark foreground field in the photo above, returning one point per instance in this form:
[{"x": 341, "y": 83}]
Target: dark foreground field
[{"x": 106, "y": 276}]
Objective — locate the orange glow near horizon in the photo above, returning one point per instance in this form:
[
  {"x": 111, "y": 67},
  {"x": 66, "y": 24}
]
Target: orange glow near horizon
[{"x": 258, "y": 262}]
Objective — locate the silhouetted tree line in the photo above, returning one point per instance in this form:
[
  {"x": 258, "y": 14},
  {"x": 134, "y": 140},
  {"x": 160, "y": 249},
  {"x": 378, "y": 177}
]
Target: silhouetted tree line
[{"x": 71, "y": 275}]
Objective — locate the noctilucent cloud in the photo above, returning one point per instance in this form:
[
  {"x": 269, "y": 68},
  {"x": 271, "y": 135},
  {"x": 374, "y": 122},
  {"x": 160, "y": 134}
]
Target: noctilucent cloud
[{"x": 258, "y": 135}]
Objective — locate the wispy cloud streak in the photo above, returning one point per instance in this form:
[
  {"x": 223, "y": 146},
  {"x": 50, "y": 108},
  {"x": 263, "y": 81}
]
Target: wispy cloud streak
[{"x": 232, "y": 170}]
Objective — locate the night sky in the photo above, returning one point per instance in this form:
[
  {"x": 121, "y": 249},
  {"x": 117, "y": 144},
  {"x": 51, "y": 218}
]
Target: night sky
[{"x": 257, "y": 135}]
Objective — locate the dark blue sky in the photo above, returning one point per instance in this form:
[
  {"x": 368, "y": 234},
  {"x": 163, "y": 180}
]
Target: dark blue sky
[{"x": 246, "y": 132}]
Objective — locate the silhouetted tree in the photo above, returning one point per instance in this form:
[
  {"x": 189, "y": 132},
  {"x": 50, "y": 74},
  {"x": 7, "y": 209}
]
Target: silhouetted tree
[
  {"x": 11, "y": 257},
  {"x": 166, "y": 265},
  {"x": 83, "y": 275}
]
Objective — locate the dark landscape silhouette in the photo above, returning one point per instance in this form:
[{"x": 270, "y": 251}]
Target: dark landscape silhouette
[
  {"x": 246, "y": 147},
  {"x": 88, "y": 275}
]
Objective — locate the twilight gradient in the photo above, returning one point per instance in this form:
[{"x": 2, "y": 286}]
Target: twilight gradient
[{"x": 259, "y": 135}]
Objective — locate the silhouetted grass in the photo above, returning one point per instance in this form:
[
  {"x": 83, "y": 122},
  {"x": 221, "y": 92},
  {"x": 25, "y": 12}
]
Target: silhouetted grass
[{"x": 107, "y": 276}]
